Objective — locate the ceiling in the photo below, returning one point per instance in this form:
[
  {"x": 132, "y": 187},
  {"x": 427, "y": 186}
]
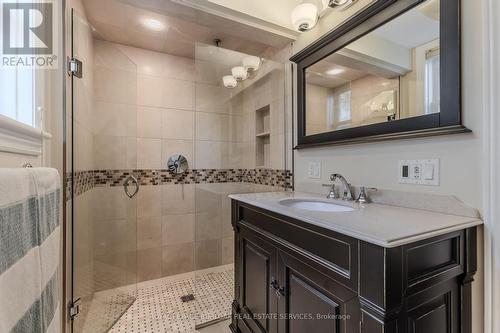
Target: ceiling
[
  {"x": 122, "y": 21},
  {"x": 401, "y": 30},
  {"x": 318, "y": 75}
]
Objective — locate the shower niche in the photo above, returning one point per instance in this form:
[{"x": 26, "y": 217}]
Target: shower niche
[{"x": 263, "y": 137}]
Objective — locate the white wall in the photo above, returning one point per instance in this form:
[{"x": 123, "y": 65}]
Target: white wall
[
  {"x": 376, "y": 164},
  {"x": 275, "y": 11}
]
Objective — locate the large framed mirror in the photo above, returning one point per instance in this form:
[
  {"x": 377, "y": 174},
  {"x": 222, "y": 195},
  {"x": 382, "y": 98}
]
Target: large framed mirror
[{"x": 392, "y": 71}]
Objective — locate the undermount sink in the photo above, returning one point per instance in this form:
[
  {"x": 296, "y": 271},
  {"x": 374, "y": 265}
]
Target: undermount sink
[{"x": 315, "y": 205}]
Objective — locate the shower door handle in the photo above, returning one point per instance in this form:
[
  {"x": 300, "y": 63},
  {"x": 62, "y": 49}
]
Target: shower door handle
[{"x": 126, "y": 184}]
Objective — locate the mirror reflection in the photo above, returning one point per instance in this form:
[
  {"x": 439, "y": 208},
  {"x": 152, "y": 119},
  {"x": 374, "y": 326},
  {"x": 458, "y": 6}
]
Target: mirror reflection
[{"x": 392, "y": 73}]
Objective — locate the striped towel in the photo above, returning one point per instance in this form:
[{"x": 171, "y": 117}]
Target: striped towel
[{"x": 29, "y": 250}]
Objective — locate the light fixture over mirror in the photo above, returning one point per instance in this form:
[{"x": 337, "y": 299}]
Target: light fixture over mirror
[
  {"x": 304, "y": 16},
  {"x": 239, "y": 73},
  {"x": 229, "y": 81},
  {"x": 251, "y": 63}
]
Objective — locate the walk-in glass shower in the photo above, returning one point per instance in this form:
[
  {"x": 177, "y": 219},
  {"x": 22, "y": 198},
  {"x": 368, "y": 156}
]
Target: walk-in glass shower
[{"x": 152, "y": 247}]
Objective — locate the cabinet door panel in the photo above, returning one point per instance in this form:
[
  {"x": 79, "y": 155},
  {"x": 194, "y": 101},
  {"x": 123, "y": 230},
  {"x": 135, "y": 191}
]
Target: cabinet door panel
[
  {"x": 437, "y": 314},
  {"x": 259, "y": 301},
  {"x": 314, "y": 302},
  {"x": 308, "y": 305}
]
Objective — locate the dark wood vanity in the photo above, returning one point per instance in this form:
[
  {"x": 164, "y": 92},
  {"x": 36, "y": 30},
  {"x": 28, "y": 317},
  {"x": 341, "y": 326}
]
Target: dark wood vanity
[{"x": 292, "y": 276}]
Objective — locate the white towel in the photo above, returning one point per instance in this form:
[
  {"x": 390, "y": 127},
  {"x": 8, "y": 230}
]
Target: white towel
[{"x": 29, "y": 250}]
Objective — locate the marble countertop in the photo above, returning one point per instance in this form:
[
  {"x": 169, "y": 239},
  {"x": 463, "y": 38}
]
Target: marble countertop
[{"x": 383, "y": 225}]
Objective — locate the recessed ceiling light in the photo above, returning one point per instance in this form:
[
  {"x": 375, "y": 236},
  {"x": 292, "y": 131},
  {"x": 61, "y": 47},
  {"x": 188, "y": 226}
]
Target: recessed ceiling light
[
  {"x": 153, "y": 24},
  {"x": 335, "y": 71}
]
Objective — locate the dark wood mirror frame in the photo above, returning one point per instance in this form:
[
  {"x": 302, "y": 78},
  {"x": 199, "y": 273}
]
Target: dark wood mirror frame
[{"x": 448, "y": 121}]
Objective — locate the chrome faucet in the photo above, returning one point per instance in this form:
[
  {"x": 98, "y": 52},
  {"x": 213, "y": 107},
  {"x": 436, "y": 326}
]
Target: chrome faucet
[
  {"x": 363, "y": 198},
  {"x": 332, "y": 194},
  {"x": 347, "y": 187}
]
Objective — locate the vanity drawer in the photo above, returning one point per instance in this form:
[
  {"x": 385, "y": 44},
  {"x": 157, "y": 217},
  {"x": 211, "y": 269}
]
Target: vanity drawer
[{"x": 332, "y": 253}]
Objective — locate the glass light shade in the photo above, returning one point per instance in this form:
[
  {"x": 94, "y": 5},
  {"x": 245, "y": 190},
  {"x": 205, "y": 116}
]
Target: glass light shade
[
  {"x": 304, "y": 16},
  {"x": 251, "y": 63},
  {"x": 229, "y": 81},
  {"x": 239, "y": 73}
]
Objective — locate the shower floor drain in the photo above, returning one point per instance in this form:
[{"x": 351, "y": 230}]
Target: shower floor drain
[{"x": 187, "y": 298}]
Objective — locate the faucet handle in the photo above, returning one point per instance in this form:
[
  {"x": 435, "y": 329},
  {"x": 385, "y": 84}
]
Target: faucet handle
[
  {"x": 362, "y": 197},
  {"x": 331, "y": 194}
]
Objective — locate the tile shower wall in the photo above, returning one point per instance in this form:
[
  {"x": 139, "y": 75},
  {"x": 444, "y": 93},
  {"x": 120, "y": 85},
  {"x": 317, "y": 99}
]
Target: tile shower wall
[
  {"x": 173, "y": 105},
  {"x": 114, "y": 121}
]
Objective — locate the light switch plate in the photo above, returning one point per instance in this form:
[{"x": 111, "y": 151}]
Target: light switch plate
[
  {"x": 314, "y": 170},
  {"x": 420, "y": 172}
]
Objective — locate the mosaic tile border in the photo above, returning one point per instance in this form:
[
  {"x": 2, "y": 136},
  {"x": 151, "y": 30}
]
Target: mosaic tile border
[{"x": 86, "y": 180}]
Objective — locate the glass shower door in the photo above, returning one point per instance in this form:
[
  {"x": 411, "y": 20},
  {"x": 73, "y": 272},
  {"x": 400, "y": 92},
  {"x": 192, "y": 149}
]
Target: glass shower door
[
  {"x": 239, "y": 148},
  {"x": 104, "y": 202}
]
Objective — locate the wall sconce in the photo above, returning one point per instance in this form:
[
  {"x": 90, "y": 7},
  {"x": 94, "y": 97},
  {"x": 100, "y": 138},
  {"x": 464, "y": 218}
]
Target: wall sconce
[
  {"x": 251, "y": 63},
  {"x": 239, "y": 73},
  {"x": 229, "y": 81},
  {"x": 304, "y": 16}
]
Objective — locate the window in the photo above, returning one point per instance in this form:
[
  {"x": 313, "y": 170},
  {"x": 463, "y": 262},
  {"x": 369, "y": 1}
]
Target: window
[
  {"x": 345, "y": 106},
  {"x": 432, "y": 84},
  {"x": 18, "y": 101}
]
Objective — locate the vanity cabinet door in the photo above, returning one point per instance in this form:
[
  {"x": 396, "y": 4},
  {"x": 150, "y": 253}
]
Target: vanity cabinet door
[
  {"x": 258, "y": 280},
  {"x": 434, "y": 310},
  {"x": 313, "y": 302}
]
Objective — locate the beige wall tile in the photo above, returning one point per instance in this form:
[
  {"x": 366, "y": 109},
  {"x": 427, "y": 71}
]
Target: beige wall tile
[
  {"x": 110, "y": 55},
  {"x": 149, "y": 201},
  {"x": 177, "y": 124},
  {"x": 149, "y": 232},
  {"x": 210, "y": 98},
  {"x": 179, "y": 94},
  {"x": 207, "y": 198},
  {"x": 208, "y": 155},
  {"x": 178, "y": 229},
  {"x": 177, "y": 259},
  {"x": 148, "y": 153},
  {"x": 149, "y": 264},
  {"x": 177, "y": 199},
  {"x": 149, "y": 122},
  {"x": 165, "y": 92},
  {"x": 183, "y": 147},
  {"x": 161, "y": 64},
  {"x": 208, "y": 72},
  {"x": 112, "y": 237},
  {"x": 208, "y": 226},
  {"x": 112, "y": 152},
  {"x": 208, "y": 253},
  {"x": 83, "y": 148},
  {"x": 149, "y": 91},
  {"x": 227, "y": 250},
  {"x": 179, "y": 68},
  {"x": 111, "y": 203},
  {"x": 227, "y": 227},
  {"x": 212, "y": 126},
  {"x": 277, "y": 153},
  {"x": 147, "y": 62},
  {"x": 115, "y": 86},
  {"x": 277, "y": 110},
  {"x": 115, "y": 119}
]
